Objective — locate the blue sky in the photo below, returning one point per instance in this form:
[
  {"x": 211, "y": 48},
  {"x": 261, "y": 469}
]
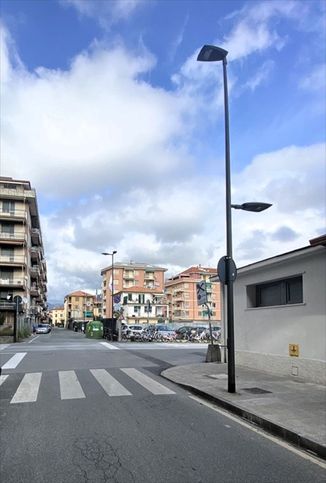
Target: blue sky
[{"x": 109, "y": 115}]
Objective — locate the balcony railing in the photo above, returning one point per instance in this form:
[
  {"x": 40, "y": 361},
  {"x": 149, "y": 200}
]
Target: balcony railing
[
  {"x": 35, "y": 271},
  {"x": 18, "y": 193},
  {"x": 13, "y": 214},
  {"x": 18, "y": 259},
  {"x": 149, "y": 276},
  {"x": 35, "y": 291},
  {"x": 18, "y": 236},
  {"x": 13, "y": 282}
]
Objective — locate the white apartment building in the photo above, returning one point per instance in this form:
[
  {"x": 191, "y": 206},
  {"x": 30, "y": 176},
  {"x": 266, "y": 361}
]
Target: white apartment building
[{"x": 22, "y": 263}]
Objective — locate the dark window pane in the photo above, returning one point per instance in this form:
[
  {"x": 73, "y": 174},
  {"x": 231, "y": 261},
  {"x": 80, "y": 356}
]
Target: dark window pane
[
  {"x": 269, "y": 294},
  {"x": 294, "y": 291}
]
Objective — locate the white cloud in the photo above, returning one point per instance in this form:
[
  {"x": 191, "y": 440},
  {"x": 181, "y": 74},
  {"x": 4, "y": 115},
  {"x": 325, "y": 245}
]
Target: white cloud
[
  {"x": 105, "y": 12},
  {"x": 99, "y": 114},
  {"x": 261, "y": 75},
  {"x": 315, "y": 80},
  {"x": 183, "y": 223}
]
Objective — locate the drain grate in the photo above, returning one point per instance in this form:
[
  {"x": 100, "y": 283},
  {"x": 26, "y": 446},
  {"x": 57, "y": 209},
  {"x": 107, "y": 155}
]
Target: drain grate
[{"x": 256, "y": 390}]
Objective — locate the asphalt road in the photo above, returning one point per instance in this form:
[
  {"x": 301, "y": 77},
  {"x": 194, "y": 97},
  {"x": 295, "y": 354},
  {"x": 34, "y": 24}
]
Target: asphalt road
[{"x": 80, "y": 410}]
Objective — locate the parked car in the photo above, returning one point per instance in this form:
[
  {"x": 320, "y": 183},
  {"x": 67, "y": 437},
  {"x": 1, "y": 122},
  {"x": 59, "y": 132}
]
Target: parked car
[
  {"x": 133, "y": 331},
  {"x": 43, "y": 329}
]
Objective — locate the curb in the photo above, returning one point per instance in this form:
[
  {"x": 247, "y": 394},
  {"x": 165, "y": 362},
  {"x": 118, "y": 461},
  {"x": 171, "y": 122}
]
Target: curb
[{"x": 273, "y": 428}]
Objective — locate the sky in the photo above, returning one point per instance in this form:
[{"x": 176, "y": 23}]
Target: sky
[{"x": 106, "y": 111}]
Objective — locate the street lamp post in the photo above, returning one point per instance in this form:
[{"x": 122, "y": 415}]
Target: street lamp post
[
  {"x": 112, "y": 288},
  {"x": 211, "y": 53}
]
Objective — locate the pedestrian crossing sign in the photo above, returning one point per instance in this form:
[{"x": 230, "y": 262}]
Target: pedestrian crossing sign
[{"x": 201, "y": 293}]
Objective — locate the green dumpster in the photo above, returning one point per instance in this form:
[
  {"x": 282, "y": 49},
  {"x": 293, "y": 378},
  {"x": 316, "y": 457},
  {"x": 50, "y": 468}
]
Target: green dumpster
[{"x": 94, "y": 330}]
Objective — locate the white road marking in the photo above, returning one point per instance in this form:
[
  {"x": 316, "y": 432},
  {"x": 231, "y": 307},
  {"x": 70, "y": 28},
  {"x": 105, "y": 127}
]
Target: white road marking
[
  {"x": 2, "y": 379},
  {"x": 30, "y": 341},
  {"x": 284, "y": 444},
  {"x": 4, "y": 346},
  {"x": 14, "y": 360},
  {"x": 70, "y": 387},
  {"x": 147, "y": 382},
  {"x": 110, "y": 385},
  {"x": 110, "y": 346},
  {"x": 28, "y": 389}
]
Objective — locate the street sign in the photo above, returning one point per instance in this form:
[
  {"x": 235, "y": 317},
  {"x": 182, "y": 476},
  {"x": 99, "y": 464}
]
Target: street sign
[
  {"x": 222, "y": 270},
  {"x": 201, "y": 292}
]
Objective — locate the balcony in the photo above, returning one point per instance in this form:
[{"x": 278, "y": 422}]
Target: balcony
[
  {"x": 36, "y": 254},
  {"x": 15, "y": 215},
  {"x": 13, "y": 282},
  {"x": 149, "y": 276},
  {"x": 18, "y": 193},
  {"x": 13, "y": 260},
  {"x": 36, "y": 236},
  {"x": 13, "y": 238},
  {"x": 35, "y": 291},
  {"x": 128, "y": 275},
  {"x": 35, "y": 272}
]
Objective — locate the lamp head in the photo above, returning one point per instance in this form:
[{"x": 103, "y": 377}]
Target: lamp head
[
  {"x": 211, "y": 53},
  {"x": 252, "y": 206}
]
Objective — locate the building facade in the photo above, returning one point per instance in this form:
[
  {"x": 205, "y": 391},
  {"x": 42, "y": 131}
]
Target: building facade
[
  {"x": 181, "y": 292},
  {"x": 79, "y": 307},
  {"x": 57, "y": 316},
  {"x": 280, "y": 313},
  {"x": 138, "y": 293},
  {"x": 22, "y": 262}
]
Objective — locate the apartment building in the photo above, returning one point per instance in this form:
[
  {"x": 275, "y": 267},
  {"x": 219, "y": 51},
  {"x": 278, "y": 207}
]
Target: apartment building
[
  {"x": 138, "y": 292},
  {"x": 182, "y": 296},
  {"x": 57, "y": 316},
  {"x": 22, "y": 263},
  {"x": 78, "y": 306}
]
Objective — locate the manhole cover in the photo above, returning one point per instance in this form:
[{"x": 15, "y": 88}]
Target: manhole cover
[{"x": 256, "y": 390}]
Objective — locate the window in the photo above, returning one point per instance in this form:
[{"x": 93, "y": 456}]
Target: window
[
  {"x": 7, "y": 228},
  {"x": 8, "y": 253},
  {"x": 8, "y": 206},
  {"x": 137, "y": 309},
  {"x": 280, "y": 292}
]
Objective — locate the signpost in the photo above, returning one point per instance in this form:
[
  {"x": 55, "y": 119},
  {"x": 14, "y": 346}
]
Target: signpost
[{"x": 17, "y": 300}]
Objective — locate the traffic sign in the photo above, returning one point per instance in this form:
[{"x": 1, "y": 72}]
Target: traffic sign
[{"x": 201, "y": 293}]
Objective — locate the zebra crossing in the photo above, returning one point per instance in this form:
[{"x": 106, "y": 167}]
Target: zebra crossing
[{"x": 70, "y": 387}]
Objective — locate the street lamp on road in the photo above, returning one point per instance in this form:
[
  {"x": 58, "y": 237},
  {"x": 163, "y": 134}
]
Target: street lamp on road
[
  {"x": 112, "y": 285},
  {"x": 211, "y": 53}
]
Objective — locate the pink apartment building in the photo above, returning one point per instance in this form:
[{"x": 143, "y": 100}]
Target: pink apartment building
[{"x": 182, "y": 296}]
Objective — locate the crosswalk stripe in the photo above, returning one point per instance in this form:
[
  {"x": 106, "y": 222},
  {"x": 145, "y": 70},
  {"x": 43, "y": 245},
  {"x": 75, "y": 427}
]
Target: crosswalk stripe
[
  {"x": 2, "y": 379},
  {"x": 28, "y": 389},
  {"x": 14, "y": 360},
  {"x": 110, "y": 346},
  {"x": 110, "y": 385},
  {"x": 147, "y": 382},
  {"x": 70, "y": 387}
]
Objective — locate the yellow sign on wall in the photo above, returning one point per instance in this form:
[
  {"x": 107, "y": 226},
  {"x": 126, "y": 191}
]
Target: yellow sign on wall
[{"x": 294, "y": 350}]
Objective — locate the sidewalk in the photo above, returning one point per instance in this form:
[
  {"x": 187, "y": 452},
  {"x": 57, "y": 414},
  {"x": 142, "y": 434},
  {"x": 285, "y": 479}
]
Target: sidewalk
[{"x": 290, "y": 409}]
